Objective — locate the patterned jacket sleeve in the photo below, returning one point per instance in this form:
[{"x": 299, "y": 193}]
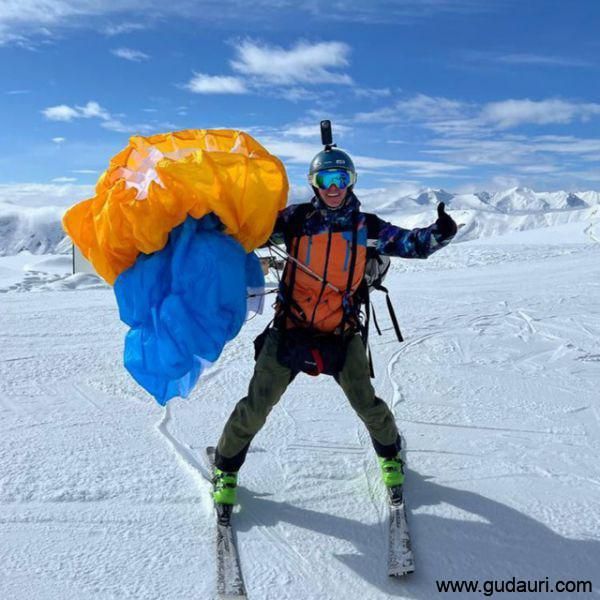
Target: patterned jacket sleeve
[{"x": 420, "y": 242}]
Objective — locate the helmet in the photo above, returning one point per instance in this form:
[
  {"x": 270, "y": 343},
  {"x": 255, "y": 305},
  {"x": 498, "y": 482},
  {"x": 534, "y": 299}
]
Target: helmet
[{"x": 332, "y": 158}]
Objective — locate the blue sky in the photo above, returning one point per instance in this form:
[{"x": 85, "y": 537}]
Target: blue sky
[{"x": 460, "y": 94}]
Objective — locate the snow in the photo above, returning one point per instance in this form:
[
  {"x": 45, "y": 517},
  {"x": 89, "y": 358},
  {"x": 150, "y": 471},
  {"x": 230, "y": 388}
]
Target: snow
[
  {"x": 34, "y": 229},
  {"x": 495, "y": 390}
]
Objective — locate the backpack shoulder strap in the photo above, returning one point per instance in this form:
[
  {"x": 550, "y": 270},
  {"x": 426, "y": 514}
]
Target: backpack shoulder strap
[{"x": 294, "y": 227}]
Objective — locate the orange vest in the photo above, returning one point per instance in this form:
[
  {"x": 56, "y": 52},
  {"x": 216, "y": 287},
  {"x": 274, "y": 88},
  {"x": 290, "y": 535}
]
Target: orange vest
[{"x": 312, "y": 303}]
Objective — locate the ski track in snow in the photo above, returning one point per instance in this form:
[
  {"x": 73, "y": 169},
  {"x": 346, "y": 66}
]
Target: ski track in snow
[{"x": 104, "y": 494}]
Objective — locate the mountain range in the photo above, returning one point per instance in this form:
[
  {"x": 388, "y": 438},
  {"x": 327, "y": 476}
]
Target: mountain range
[{"x": 481, "y": 214}]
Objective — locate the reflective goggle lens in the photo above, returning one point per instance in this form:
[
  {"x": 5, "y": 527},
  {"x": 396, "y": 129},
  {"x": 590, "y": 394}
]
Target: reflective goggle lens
[{"x": 338, "y": 177}]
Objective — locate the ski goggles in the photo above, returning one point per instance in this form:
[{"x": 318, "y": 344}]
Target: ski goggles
[{"x": 338, "y": 177}]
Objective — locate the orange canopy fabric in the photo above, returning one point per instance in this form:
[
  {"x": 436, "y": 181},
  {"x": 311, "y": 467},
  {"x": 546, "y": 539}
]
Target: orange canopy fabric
[{"x": 156, "y": 182}]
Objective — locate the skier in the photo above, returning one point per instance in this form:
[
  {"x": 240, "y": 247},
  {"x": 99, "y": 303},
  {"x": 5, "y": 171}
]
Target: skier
[{"x": 316, "y": 325}]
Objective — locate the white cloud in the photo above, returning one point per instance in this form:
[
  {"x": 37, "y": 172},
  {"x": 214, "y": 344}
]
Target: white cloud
[
  {"x": 414, "y": 167},
  {"x": 117, "y": 125},
  {"x": 280, "y": 73},
  {"x": 539, "y": 169},
  {"x": 418, "y": 108},
  {"x": 62, "y": 112},
  {"x": 24, "y": 20},
  {"x": 64, "y": 179},
  {"x": 294, "y": 152},
  {"x": 44, "y": 194},
  {"x": 567, "y": 144},
  {"x": 130, "y": 54},
  {"x": 93, "y": 110},
  {"x": 512, "y": 113},
  {"x": 452, "y": 118},
  {"x": 503, "y": 182},
  {"x": 542, "y": 60},
  {"x": 304, "y": 63},
  {"x": 442, "y": 115},
  {"x": 296, "y": 93},
  {"x": 59, "y": 140},
  {"x": 312, "y": 131},
  {"x": 216, "y": 84},
  {"x": 549, "y": 155},
  {"x": 372, "y": 93},
  {"x": 426, "y": 107},
  {"x": 126, "y": 27},
  {"x": 302, "y": 153}
]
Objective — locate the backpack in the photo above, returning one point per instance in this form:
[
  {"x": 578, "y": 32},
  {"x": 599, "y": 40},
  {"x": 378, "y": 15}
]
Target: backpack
[{"x": 376, "y": 269}]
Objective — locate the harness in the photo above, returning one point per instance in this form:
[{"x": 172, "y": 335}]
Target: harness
[
  {"x": 354, "y": 317},
  {"x": 289, "y": 310}
]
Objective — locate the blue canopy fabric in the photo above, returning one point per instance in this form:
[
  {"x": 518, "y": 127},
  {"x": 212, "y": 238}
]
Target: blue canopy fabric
[{"x": 183, "y": 304}]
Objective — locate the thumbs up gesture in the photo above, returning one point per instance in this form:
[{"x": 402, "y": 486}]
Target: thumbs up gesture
[{"x": 445, "y": 224}]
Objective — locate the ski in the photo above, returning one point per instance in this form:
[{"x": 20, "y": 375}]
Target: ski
[
  {"x": 400, "y": 557},
  {"x": 230, "y": 583}
]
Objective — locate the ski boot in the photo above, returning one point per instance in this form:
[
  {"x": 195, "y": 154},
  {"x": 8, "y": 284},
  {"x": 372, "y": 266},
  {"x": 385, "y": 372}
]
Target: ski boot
[
  {"x": 392, "y": 472},
  {"x": 224, "y": 493}
]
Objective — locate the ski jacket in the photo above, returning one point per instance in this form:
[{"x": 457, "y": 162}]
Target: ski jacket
[{"x": 332, "y": 246}]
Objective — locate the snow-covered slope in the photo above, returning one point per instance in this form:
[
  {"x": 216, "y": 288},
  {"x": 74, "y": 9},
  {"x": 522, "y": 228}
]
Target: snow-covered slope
[{"x": 495, "y": 390}]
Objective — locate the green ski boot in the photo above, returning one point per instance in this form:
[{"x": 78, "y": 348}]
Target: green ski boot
[
  {"x": 224, "y": 487},
  {"x": 392, "y": 471}
]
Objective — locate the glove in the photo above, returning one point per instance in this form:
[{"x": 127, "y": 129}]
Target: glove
[{"x": 446, "y": 226}]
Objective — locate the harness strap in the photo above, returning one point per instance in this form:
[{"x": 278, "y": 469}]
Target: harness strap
[
  {"x": 370, "y": 357},
  {"x": 351, "y": 269},
  {"x": 324, "y": 284},
  {"x": 375, "y": 319},
  {"x": 392, "y": 313},
  {"x": 287, "y": 299}
]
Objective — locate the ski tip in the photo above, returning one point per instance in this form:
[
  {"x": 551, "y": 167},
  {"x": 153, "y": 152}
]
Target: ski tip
[
  {"x": 401, "y": 574},
  {"x": 406, "y": 567}
]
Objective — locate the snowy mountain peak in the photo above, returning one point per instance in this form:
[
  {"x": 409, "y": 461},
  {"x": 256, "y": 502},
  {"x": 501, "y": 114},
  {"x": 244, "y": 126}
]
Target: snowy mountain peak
[
  {"x": 574, "y": 201},
  {"x": 431, "y": 196},
  {"x": 519, "y": 199},
  {"x": 37, "y": 230}
]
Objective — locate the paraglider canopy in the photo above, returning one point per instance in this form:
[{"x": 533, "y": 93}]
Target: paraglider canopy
[
  {"x": 173, "y": 226},
  {"x": 152, "y": 185}
]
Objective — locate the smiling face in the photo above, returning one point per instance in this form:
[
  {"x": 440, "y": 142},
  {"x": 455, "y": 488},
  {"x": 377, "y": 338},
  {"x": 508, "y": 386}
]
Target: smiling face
[{"x": 333, "y": 197}]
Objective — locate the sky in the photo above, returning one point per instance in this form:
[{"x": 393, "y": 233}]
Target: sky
[{"x": 464, "y": 95}]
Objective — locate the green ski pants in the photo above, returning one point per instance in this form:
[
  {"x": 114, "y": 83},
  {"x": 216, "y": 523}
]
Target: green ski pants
[{"x": 270, "y": 381}]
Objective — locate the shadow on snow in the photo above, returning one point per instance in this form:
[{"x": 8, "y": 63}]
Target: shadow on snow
[{"x": 497, "y": 544}]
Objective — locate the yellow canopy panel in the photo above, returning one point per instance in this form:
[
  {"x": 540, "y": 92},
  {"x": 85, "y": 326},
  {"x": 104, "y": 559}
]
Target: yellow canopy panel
[{"x": 152, "y": 185}]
